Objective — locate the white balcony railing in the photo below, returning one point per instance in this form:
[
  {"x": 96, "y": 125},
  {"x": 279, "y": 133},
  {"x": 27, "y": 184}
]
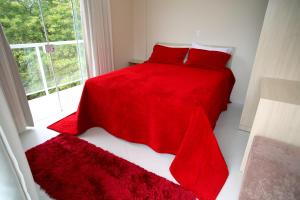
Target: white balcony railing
[{"x": 37, "y": 46}]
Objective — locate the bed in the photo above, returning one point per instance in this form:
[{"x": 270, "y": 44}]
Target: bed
[{"x": 170, "y": 107}]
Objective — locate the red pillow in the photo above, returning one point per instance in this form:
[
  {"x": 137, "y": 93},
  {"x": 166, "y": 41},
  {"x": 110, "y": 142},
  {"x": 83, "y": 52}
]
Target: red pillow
[
  {"x": 207, "y": 59},
  {"x": 168, "y": 55}
]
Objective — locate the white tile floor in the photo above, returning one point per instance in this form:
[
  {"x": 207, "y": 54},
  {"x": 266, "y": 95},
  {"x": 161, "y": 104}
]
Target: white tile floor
[
  {"x": 46, "y": 107},
  {"x": 231, "y": 140}
]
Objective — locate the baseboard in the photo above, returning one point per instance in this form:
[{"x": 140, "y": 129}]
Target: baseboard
[{"x": 244, "y": 128}]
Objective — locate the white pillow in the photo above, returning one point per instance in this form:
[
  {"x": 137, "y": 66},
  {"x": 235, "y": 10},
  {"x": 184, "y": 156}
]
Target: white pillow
[
  {"x": 174, "y": 45},
  {"x": 196, "y": 45}
]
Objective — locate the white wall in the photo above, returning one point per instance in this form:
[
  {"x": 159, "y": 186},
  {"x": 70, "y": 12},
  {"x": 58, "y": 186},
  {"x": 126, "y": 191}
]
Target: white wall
[
  {"x": 234, "y": 23},
  {"x": 10, "y": 131},
  {"x": 10, "y": 188},
  {"x": 122, "y": 31}
]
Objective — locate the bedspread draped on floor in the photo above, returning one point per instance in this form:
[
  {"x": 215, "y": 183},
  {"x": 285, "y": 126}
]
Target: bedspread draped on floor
[{"x": 172, "y": 109}]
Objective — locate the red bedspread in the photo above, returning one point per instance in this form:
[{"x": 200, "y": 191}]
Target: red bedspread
[{"x": 172, "y": 109}]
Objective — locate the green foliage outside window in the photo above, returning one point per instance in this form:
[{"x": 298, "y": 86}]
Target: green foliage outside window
[{"x": 22, "y": 24}]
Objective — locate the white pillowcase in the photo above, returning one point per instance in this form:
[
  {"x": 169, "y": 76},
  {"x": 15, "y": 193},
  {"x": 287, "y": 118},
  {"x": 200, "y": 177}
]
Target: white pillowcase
[
  {"x": 196, "y": 45},
  {"x": 174, "y": 45}
]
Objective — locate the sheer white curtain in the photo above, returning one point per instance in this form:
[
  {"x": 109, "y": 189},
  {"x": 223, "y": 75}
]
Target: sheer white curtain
[
  {"x": 97, "y": 34},
  {"x": 13, "y": 89}
]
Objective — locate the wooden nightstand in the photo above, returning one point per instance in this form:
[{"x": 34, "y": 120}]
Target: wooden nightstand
[{"x": 135, "y": 62}]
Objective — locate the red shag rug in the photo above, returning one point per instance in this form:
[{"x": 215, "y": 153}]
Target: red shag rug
[{"x": 67, "y": 167}]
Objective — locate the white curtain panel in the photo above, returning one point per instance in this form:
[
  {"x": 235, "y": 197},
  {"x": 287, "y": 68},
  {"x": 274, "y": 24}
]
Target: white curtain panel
[
  {"x": 13, "y": 89},
  {"x": 97, "y": 35}
]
